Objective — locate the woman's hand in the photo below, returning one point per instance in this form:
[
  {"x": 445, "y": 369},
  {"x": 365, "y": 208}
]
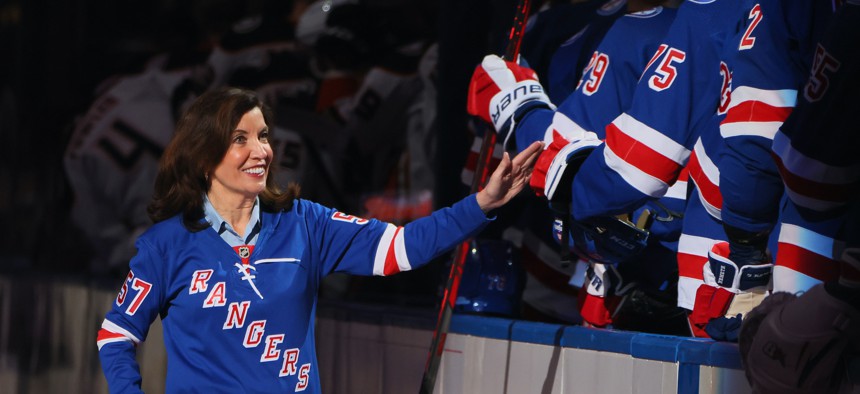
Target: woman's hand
[{"x": 509, "y": 178}]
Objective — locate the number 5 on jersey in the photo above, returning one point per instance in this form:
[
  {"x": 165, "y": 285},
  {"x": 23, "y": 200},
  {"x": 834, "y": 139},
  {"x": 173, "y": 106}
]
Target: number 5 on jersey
[
  {"x": 666, "y": 71},
  {"x": 142, "y": 287}
]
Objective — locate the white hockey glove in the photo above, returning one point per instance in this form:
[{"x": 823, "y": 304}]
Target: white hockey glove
[
  {"x": 501, "y": 91},
  {"x": 604, "y": 280},
  {"x": 731, "y": 290},
  {"x": 604, "y": 289},
  {"x": 558, "y": 163}
]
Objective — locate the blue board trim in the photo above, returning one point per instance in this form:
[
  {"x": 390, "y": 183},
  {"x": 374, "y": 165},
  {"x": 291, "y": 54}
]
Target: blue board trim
[
  {"x": 489, "y": 327},
  {"x": 688, "y": 378},
  {"x": 725, "y": 355},
  {"x": 655, "y": 347},
  {"x": 597, "y": 339},
  {"x": 540, "y": 333},
  {"x": 688, "y": 352}
]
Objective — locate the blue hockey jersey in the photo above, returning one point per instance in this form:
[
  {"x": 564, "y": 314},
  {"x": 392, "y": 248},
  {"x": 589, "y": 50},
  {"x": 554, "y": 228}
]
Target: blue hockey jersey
[
  {"x": 815, "y": 151},
  {"x": 675, "y": 111},
  {"x": 773, "y": 57},
  {"x": 816, "y": 148},
  {"x": 245, "y": 324},
  {"x": 605, "y": 90},
  {"x": 671, "y": 128},
  {"x": 552, "y": 27},
  {"x": 607, "y": 82},
  {"x": 570, "y": 57}
]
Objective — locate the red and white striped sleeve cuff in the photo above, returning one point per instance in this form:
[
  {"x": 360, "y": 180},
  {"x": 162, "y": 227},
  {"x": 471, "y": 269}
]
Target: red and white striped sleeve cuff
[
  {"x": 645, "y": 158},
  {"x": 391, "y": 255},
  {"x": 111, "y": 332},
  {"x": 806, "y": 251},
  {"x": 757, "y": 112},
  {"x": 706, "y": 175},
  {"x": 564, "y": 127},
  {"x": 811, "y": 183}
]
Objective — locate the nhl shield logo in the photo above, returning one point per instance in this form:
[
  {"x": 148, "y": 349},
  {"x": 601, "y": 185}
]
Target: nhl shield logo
[{"x": 244, "y": 252}]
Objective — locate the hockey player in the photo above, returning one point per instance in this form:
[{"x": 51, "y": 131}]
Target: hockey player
[
  {"x": 553, "y": 285},
  {"x": 817, "y": 332},
  {"x": 672, "y": 123},
  {"x": 813, "y": 149},
  {"x": 561, "y": 37},
  {"x": 233, "y": 264},
  {"x": 604, "y": 92},
  {"x": 770, "y": 66}
]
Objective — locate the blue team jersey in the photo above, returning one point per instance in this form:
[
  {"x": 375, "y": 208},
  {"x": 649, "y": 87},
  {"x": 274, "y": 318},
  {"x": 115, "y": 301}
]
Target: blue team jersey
[
  {"x": 607, "y": 82},
  {"x": 816, "y": 147},
  {"x": 816, "y": 153},
  {"x": 675, "y": 110},
  {"x": 242, "y": 320},
  {"x": 552, "y": 26},
  {"x": 772, "y": 60},
  {"x": 605, "y": 90},
  {"x": 570, "y": 58}
]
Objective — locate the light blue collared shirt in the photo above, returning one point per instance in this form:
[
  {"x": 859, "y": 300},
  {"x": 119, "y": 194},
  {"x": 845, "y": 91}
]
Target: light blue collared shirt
[{"x": 226, "y": 231}]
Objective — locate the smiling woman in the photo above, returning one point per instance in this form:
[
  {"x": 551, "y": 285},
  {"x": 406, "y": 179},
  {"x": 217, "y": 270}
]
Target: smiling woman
[
  {"x": 220, "y": 149},
  {"x": 233, "y": 264},
  {"x": 241, "y": 175}
]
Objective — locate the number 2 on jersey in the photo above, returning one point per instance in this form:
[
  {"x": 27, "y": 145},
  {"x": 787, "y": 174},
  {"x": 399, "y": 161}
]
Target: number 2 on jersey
[{"x": 747, "y": 41}]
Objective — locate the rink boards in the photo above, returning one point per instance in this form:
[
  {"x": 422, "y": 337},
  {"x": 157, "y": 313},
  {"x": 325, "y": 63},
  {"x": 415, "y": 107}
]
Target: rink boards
[
  {"x": 48, "y": 327},
  {"x": 369, "y": 350}
]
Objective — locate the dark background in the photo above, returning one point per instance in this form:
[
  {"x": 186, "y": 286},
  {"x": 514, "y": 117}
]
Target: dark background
[{"x": 55, "y": 54}]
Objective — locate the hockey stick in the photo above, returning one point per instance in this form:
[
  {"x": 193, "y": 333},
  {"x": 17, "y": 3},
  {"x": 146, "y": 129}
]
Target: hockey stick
[{"x": 446, "y": 310}]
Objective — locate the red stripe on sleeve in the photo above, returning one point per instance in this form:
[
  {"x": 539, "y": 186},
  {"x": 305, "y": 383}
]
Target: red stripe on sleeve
[
  {"x": 640, "y": 155},
  {"x": 105, "y": 334},
  {"x": 708, "y": 189},
  {"x": 756, "y": 111},
  {"x": 684, "y": 176},
  {"x": 821, "y": 191},
  {"x": 807, "y": 262},
  {"x": 391, "y": 266}
]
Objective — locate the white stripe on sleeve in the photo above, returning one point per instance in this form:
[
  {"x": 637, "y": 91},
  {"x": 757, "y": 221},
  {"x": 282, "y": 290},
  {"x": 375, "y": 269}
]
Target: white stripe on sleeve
[{"x": 382, "y": 249}]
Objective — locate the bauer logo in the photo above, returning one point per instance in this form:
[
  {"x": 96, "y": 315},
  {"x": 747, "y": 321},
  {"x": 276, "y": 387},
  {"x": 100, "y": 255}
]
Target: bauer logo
[{"x": 524, "y": 91}]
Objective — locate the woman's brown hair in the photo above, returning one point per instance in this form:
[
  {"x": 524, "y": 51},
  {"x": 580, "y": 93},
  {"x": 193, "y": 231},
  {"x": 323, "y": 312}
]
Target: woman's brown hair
[{"x": 201, "y": 140}]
